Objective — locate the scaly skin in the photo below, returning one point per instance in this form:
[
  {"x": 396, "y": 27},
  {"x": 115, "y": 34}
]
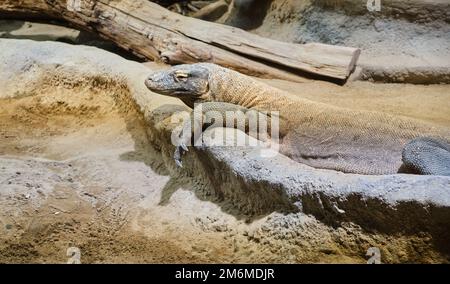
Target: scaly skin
[{"x": 316, "y": 134}]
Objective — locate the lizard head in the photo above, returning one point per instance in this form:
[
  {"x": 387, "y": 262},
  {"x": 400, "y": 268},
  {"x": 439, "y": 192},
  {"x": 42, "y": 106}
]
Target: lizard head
[{"x": 188, "y": 82}]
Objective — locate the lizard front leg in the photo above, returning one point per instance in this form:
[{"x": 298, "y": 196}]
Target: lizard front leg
[{"x": 215, "y": 114}]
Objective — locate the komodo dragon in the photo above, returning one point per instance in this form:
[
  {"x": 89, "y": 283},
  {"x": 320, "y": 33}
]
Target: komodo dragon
[{"x": 313, "y": 133}]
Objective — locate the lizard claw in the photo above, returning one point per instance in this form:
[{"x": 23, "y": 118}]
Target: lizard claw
[
  {"x": 177, "y": 157},
  {"x": 184, "y": 147},
  {"x": 179, "y": 150},
  {"x": 178, "y": 163}
]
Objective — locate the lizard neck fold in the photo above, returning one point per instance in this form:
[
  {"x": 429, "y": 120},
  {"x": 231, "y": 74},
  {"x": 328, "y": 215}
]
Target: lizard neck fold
[{"x": 232, "y": 87}]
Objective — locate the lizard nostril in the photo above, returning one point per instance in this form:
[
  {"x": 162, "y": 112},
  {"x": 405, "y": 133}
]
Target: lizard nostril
[{"x": 149, "y": 82}]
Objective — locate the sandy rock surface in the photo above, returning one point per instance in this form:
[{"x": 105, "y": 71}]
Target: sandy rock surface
[
  {"x": 406, "y": 41},
  {"x": 86, "y": 161}
]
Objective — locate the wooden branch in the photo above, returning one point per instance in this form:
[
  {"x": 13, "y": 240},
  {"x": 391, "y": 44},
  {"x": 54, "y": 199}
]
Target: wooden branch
[
  {"x": 156, "y": 33},
  {"x": 212, "y": 12}
]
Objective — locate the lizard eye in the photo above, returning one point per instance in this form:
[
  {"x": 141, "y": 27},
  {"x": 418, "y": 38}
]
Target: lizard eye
[{"x": 181, "y": 75}]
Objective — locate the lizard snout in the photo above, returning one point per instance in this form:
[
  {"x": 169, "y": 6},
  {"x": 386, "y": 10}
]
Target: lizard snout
[
  {"x": 149, "y": 82},
  {"x": 161, "y": 83},
  {"x": 155, "y": 82}
]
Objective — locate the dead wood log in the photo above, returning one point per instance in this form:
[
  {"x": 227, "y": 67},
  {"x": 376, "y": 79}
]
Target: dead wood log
[{"x": 156, "y": 33}]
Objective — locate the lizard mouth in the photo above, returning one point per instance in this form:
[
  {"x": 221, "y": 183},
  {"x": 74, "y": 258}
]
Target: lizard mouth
[
  {"x": 164, "y": 90},
  {"x": 179, "y": 93},
  {"x": 172, "y": 92}
]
